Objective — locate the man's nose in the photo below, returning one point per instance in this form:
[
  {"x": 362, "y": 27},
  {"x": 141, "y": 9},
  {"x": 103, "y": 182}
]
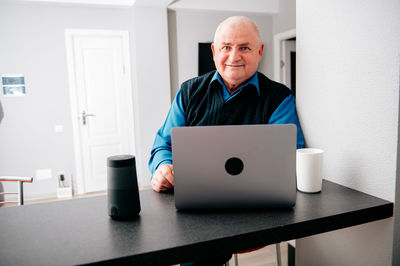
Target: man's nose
[{"x": 234, "y": 55}]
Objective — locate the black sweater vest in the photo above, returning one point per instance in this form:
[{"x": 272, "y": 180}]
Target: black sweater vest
[{"x": 204, "y": 105}]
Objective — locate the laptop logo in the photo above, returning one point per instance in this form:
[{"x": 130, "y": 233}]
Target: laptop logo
[{"x": 234, "y": 166}]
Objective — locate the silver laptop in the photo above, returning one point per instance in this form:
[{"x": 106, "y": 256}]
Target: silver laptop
[{"x": 247, "y": 166}]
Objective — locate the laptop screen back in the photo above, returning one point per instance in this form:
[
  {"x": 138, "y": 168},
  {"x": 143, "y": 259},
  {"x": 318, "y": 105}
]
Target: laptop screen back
[{"x": 247, "y": 166}]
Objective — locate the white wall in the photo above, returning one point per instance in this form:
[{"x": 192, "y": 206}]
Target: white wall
[
  {"x": 363, "y": 245},
  {"x": 153, "y": 80},
  {"x": 286, "y": 18},
  {"x": 189, "y": 27},
  {"x": 396, "y": 235},
  {"x": 348, "y": 100},
  {"x": 33, "y": 43}
]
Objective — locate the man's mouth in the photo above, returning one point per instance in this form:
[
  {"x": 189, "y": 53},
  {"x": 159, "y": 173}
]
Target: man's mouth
[{"x": 229, "y": 65}]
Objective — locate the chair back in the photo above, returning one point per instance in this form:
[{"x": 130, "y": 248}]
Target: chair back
[{"x": 19, "y": 180}]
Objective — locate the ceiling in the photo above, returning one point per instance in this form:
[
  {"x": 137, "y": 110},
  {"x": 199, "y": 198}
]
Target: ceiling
[{"x": 264, "y": 6}]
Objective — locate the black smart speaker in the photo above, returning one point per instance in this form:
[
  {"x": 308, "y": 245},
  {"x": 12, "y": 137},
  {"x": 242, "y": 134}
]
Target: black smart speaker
[{"x": 122, "y": 187}]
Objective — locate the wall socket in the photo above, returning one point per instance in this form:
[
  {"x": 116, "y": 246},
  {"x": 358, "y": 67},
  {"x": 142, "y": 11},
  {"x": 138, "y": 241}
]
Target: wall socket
[
  {"x": 59, "y": 128},
  {"x": 43, "y": 174}
]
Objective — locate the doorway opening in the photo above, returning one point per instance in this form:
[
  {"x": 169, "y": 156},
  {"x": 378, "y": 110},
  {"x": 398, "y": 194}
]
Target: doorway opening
[{"x": 285, "y": 59}]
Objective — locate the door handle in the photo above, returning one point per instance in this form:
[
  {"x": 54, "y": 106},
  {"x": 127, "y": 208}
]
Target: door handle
[{"x": 84, "y": 115}]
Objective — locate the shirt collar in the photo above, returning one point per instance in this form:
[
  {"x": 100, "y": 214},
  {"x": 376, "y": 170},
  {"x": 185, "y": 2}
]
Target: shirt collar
[{"x": 253, "y": 81}]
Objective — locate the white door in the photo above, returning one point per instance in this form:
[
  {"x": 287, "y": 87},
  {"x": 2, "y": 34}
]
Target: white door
[{"x": 101, "y": 102}]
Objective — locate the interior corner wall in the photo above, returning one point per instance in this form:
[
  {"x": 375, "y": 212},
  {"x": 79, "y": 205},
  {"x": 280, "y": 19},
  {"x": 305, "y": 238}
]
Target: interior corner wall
[
  {"x": 284, "y": 21},
  {"x": 189, "y": 27},
  {"x": 152, "y": 68},
  {"x": 286, "y": 18},
  {"x": 348, "y": 101}
]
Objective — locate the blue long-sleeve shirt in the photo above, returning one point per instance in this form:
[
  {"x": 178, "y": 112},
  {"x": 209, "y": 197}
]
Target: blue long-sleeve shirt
[{"x": 161, "y": 152}]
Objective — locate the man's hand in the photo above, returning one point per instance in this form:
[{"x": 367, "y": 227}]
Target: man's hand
[{"x": 163, "y": 178}]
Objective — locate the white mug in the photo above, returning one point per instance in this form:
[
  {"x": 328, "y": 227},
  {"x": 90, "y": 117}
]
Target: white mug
[{"x": 309, "y": 164}]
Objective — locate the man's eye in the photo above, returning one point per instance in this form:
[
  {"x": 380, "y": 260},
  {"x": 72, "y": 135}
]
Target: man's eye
[
  {"x": 226, "y": 48},
  {"x": 244, "y": 48}
]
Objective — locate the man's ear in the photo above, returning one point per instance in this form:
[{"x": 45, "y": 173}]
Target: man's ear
[
  {"x": 260, "y": 51},
  {"x": 213, "y": 49}
]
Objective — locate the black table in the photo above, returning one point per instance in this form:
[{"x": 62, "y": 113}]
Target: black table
[{"x": 79, "y": 231}]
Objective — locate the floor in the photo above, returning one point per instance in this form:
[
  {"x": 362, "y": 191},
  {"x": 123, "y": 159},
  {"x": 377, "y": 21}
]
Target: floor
[
  {"x": 262, "y": 257},
  {"x": 50, "y": 199}
]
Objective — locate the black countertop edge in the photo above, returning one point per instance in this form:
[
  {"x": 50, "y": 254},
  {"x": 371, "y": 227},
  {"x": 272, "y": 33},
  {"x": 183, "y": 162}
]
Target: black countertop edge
[
  {"x": 257, "y": 239},
  {"x": 261, "y": 238}
]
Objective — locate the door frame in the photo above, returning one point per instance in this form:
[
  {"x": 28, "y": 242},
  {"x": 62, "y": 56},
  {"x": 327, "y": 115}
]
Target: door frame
[
  {"x": 79, "y": 184},
  {"x": 278, "y": 39}
]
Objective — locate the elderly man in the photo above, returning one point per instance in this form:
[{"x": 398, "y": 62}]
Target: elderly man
[{"x": 234, "y": 94}]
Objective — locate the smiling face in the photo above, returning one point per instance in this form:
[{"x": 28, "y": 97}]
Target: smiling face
[{"x": 237, "y": 51}]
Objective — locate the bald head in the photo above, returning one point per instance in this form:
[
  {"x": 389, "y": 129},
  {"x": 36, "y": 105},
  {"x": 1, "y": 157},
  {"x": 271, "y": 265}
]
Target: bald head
[
  {"x": 238, "y": 22},
  {"x": 237, "y": 50}
]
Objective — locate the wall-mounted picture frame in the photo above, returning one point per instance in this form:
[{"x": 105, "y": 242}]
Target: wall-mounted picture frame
[{"x": 13, "y": 85}]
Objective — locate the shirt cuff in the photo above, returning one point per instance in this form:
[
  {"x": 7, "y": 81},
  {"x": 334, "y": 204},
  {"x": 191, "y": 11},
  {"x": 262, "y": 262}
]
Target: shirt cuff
[{"x": 160, "y": 157}]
